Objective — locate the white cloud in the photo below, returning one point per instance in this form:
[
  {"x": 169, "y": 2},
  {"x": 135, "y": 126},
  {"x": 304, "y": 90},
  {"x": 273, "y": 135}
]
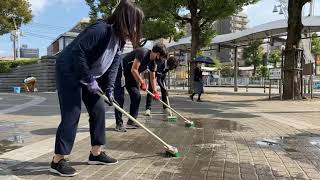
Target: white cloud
[{"x": 38, "y": 5}]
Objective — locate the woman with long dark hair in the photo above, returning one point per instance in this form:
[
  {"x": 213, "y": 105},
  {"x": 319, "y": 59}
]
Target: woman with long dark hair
[{"x": 89, "y": 64}]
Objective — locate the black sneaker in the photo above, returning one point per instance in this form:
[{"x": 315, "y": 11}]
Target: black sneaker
[
  {"x": 132, "y": 125},
  {"x": 62, "y": 168},
  {"x": 101, "y": 159},
  {"x": 120, "y": 128},
  {"x": 191, "y": 97}
]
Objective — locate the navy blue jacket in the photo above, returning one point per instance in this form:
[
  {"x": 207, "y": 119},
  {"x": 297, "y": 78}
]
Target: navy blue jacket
[
  {"x": 78, "y": 57},
  {"x": 161, "y": 73}
]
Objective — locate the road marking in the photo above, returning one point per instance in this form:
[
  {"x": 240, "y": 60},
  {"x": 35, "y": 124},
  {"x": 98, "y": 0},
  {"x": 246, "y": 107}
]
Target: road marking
[
  {"x": 36, "y": 150},
  {"x": 35, "y": 100}
]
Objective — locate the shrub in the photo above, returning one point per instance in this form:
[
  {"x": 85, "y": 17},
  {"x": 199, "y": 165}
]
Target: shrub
[{"x": 7, "y": 66}]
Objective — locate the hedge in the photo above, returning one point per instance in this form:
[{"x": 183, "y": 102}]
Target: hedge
[{"x": 7, "y": 66}]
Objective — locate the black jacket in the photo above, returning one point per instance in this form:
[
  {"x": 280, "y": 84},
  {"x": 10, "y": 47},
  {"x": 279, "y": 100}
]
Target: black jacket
[{"x": 78, "y": 57}]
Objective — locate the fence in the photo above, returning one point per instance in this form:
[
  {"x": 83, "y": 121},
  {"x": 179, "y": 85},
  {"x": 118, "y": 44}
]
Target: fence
[{"x": 173, "y": 82}]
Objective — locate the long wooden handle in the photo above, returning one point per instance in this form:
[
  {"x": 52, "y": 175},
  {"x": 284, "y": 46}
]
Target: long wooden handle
[
  {"x": 101, "y": 94},
  {"x": 170, "y": 111},
  {"x": 169, "y": 107}
]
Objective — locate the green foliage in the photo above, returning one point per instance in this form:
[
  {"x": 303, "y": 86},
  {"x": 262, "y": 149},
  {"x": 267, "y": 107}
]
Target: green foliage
[
  {"x": 253, "y": 54},
  {"x": 19, "y": 10},
  {"x": 7, "y": 66},
  {"x": 315, "y": 44},
  {"x": 275, "y": 57},
  {"x": 262, "y": 71},
  {"x": 226, "y": 71},
  {"x": 167, "y": 18},
  {"x": 217, "y": 64},
  {"x": 100, "y": 7}
]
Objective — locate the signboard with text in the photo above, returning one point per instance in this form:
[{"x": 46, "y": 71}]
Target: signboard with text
[{"x": 275, "y": 74}]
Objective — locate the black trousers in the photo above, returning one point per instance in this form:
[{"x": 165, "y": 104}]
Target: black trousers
[
  {"x": 163, "y": 96},
  {"x": 134, "y": 93},
  {"x": 70, "y": 93}
]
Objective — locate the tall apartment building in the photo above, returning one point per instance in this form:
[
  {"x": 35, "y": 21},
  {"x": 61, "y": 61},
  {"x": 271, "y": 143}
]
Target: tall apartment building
[{"x": 231, "y": 24}]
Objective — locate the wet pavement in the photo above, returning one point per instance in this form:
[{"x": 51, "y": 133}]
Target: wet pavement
[{"x": 235, "y": 137}]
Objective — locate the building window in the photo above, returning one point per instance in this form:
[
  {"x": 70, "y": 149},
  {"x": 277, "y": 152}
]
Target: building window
[{"x": 68, "y": 40}]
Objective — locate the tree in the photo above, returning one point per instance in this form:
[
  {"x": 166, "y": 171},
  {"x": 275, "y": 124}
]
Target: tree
[
  {"x": 262, "y": 71},
  {"x": 153, "y": 27},
  {"x": 275, "y": 57},
  {"x": 292, "y": 85},
  {"x": 200, "y": 15},
  {"x": 315, "y": 44},
  {"x": 217, "y": 63},
  {"x": 13, "y": 13},
  {"x": 226, "y": 70},
  {"x": 253, "y": 55}
]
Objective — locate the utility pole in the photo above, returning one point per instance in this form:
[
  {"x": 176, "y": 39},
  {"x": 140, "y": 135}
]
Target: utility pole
[{"x": 15, "y": 37}]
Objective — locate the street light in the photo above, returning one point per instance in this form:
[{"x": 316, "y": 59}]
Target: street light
[
  {"x": 281, "y": 10},
  {"x": 275, "y": 9}
]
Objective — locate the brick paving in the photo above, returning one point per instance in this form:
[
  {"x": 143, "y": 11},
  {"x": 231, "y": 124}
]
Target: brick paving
[{"x": 236, "y": 137}]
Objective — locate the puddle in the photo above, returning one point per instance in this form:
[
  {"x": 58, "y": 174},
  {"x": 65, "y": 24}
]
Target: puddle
[
  {"x": 219, "y": 124},
  {"x": 268, "y": 142},
  {"x": 290, "y": 143},
  {"x": 315, "y": 141},
  {"x": 6, "y": 146},
  {"x": 12, "y": 134}
]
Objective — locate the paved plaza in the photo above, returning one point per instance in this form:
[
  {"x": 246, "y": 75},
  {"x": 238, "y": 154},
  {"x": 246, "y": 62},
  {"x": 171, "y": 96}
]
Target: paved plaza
[{"x": 237, "y": 136}]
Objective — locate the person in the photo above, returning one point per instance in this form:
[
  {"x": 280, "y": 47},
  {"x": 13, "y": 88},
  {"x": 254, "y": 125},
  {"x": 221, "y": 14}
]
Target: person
[
  {"x": 29, "y": 83},
  {"x": 88, "y": 65},
  {"x": 133, "y": 64},
  {"x": 197, "y": 82},
  {"x": 163, "y": 67}
]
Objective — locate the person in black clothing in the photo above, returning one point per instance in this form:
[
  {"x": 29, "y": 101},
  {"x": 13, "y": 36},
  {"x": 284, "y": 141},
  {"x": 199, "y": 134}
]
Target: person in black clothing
[
  {"x": 133, "y": 64},
  {"x": 87, "y": 65},
  {"x": 163, "y": 67},
  {"x": 197, "y": 83}
]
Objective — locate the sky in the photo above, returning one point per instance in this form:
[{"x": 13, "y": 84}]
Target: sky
[{"x": 54, "y": 17}]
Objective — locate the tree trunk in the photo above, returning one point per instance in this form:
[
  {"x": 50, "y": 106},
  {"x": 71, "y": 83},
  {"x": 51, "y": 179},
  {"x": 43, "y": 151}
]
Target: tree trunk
[
  {"x": 254, "y": 70},
  {"x": 291, "y": 84},
  {"x": 195, "y": 31}
]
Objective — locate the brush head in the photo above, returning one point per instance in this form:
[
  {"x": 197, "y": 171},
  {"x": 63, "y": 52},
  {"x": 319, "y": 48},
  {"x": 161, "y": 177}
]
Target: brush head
[
  {"x": 171, "y": 119},
  {"x": 189, "y": 124},
  {"x": 171, "y": 151}
]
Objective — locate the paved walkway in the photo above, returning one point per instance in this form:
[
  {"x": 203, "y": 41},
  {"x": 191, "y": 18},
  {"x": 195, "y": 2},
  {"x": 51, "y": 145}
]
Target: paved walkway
[{"x": 237, "y": 136}]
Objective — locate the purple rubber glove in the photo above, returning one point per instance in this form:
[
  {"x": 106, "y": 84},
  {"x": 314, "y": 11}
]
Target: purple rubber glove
[
  {"x": 93, "y": 87},
  {"x": 109, "y": 94}
]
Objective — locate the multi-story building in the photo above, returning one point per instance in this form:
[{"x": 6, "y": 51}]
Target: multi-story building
[
  {"x": 26, "y": 52},
  {"x": 66, "y": 38},
  {"x": 231, "y": 24}
]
